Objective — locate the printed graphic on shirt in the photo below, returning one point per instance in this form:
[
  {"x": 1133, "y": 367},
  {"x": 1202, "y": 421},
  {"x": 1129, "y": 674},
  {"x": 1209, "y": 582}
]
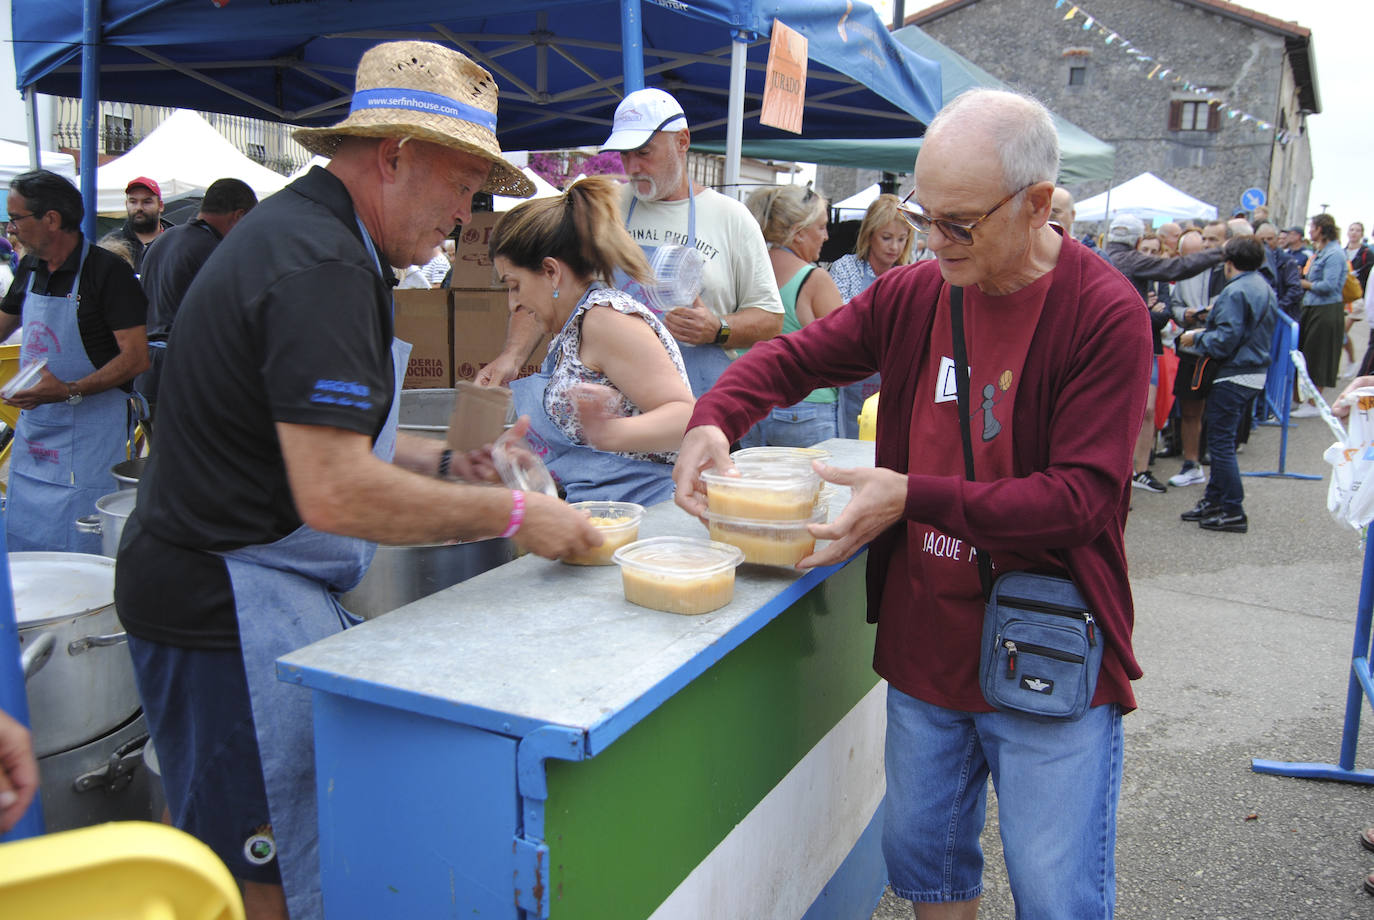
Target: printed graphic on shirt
[
  {"x": 992, "y": 395},
  {"x": 943, "y": 546}
]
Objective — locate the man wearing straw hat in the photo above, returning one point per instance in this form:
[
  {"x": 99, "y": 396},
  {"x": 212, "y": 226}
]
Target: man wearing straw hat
[{"x": 277, "y": 461}]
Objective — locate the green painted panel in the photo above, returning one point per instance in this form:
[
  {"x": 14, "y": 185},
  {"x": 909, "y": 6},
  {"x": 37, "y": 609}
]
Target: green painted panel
[{"x": 626, "y": 827}]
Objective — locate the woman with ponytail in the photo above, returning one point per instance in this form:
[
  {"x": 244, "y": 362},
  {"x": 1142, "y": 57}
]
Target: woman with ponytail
[{"x": 612, "y": 401}]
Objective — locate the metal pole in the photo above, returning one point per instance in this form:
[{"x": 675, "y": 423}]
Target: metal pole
[
  {"x": 734, "y": 127},
  {"x": 31, "y": 122},
  {"x": 90, "y": 110},
  {"x": 631, "y": 45}
]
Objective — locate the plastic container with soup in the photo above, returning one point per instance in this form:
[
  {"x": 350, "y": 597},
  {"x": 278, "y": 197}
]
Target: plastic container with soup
[{"x": 678, "y": 574}]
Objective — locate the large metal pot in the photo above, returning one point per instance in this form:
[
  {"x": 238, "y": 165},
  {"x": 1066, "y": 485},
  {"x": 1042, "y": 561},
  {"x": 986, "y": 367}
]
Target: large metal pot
[
  {"x": 80, "y": 678},
  {"x": 128, "y": 472},
  {"x": 103, "y": 780},
  {"x": 426, "y": 412},
  {"x": 111, "y": 514},
  {"x": 401, "y": 574}
]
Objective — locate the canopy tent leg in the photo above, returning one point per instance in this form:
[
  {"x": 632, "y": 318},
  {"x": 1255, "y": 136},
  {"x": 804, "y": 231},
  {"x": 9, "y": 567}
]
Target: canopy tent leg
[
  {"x": 734, "y": 127},
  {"x": 31, "y": 123},
  {"x": 90, "y": 110},
  {"x": 631, "y": 45}
]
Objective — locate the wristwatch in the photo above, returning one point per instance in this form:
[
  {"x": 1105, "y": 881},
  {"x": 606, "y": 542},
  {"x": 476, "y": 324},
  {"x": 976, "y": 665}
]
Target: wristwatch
[
  {"x": 722, "y": 334},
  {"x": 73, "y": 397}
]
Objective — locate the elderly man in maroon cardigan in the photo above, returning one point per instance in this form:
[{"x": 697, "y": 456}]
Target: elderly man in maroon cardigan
[{"x": 1059, "y": 353}]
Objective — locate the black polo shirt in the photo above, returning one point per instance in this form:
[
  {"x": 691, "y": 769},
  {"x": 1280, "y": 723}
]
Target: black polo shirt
[
  {"x": 290, "y": 321},
  {"x": 109, "y": 297}
]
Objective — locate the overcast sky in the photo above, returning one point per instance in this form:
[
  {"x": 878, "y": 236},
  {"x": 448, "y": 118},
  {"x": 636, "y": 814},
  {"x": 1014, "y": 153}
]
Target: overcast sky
[{"x": 1342, "y": 136}]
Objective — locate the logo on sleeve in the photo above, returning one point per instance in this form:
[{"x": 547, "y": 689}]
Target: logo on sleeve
[{"x": 347, "y": 393}]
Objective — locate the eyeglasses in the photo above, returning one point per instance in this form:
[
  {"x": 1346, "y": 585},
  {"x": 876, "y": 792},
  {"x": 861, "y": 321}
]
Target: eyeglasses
[
  {"x": 954, "y": 231},
  {"x": 16, "y": 218}
]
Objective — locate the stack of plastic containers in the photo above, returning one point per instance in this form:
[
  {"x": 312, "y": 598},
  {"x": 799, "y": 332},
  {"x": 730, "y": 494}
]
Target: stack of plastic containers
[{"x": 765, "y": 509}]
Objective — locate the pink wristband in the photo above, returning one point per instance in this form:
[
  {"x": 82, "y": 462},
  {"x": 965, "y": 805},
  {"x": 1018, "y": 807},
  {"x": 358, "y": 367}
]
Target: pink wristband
[{"x": 517, "y": 513}]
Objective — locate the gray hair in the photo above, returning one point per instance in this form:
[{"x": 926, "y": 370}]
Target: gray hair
[
  {"x": 782, "y": 210},
  {"x": 1021, "y": 130}
]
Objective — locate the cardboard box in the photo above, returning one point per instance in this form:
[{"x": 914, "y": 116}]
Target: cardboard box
[
  {"x": 425, "y": 320},
  {"x": 472, "y": 266},
  {"x": 479, "y": 331}
]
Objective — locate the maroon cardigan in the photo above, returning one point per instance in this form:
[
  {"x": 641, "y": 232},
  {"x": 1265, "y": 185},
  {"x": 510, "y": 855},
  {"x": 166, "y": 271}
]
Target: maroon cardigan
[{"x": 1078, "y": 412}]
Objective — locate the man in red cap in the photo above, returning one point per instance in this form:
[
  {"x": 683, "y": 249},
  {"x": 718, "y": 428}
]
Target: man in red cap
[{"x": 143, "y": 202}]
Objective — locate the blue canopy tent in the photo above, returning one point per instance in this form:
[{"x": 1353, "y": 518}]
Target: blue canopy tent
[{"x": 559, "y": 66}]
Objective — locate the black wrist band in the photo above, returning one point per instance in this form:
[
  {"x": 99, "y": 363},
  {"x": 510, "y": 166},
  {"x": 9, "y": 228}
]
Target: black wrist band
[{"x": 445, "y": 460}]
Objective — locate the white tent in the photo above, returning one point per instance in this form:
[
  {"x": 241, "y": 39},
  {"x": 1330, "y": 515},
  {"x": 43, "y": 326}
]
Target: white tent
[
  {"x": 542, "y": 189},
  {"x": 184, "y": 154},
  {"x": 14, "y": 159},
  {"x": 857, "y": 202},
  {"x": 1146, "y": 196}
]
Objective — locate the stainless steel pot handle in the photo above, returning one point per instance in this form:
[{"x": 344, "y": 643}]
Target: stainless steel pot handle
[
  {"x": 37, "y": 654},
  {"x": 77, "y": 646},
  {"x": 88, "y": 524}
]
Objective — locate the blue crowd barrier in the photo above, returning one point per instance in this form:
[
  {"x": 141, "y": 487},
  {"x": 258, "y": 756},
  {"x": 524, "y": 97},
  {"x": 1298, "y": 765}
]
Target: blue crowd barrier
[{"x": 1277, "y": 399}]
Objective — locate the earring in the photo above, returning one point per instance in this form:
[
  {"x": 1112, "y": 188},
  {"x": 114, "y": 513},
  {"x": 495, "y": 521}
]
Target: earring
[{"x": 555, "y": 293}]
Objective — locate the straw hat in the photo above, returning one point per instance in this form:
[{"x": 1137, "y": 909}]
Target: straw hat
[{"x": 428, "y": 92}]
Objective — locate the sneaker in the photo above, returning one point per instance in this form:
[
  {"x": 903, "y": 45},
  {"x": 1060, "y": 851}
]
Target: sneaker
[
  {"x": 1226, "y": 523},
  {"x": 1146, "y": 480},
  {"x": 1203, "y": 509},
  {"x": 1306, "y": 410},
  {"x": 1190, "y": 475}
]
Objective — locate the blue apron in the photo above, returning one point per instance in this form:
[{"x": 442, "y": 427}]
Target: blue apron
[
  {"x": 62, "y": 453},
  {"x": 704, "y": 363},
  {"x": 584, "y": 472},
  {"x": 285, "y": 598}
]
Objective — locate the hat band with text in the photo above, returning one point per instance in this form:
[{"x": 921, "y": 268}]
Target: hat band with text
[{"x": 421, "y": 101}]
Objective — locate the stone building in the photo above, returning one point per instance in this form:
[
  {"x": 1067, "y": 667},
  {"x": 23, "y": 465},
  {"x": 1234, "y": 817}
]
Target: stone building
[{"x": 1196, "y": 127}]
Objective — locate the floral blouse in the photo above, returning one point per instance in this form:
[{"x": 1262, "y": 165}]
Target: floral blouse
[{"x": 568, "y": 369}]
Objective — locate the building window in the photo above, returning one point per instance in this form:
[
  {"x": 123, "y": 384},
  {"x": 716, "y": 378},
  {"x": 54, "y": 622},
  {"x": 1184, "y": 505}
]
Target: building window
[
  {"x": 1078, "y": 74},
  {"x": 119, "y": 134},
  {"x": 1194, "y": 115}
]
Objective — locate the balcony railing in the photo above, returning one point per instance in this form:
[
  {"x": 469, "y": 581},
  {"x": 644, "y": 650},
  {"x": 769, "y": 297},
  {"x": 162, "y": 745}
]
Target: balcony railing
[{"x": 123, "y": 125}]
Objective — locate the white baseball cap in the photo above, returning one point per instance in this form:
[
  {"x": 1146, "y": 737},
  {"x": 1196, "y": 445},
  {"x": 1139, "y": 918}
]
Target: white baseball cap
[
  {"x": 1125, "y": 228},
  {"x": 639, "y": 115}
]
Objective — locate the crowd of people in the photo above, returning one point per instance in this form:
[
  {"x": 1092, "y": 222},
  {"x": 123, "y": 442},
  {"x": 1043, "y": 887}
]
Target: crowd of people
[{"x": 248, "y": 526}]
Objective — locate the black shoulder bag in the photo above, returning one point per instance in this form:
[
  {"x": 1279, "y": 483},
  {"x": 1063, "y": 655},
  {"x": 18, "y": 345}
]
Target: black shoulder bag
[{"x": 1040, "y": 652}]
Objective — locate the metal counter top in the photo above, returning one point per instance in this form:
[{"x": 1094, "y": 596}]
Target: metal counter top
[{"x": 536, "y": 642}]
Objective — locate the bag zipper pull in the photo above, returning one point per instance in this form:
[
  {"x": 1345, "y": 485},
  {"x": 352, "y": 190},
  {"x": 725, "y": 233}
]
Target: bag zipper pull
[
  {"x": 1010, "y": 646},
  {"x": 1092, "y": 628}
]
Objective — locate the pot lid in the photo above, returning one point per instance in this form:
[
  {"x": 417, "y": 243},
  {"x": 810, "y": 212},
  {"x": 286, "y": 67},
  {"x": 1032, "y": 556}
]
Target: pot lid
[{"x": 55, "y": 586}]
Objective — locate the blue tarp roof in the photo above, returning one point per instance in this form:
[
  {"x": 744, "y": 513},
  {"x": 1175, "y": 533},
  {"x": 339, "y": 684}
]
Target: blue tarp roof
[{"x": 558, "y": 62}]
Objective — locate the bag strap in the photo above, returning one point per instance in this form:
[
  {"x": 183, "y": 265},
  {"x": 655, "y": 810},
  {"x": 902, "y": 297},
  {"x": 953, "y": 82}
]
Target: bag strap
[{"x": 956, "y": 324}]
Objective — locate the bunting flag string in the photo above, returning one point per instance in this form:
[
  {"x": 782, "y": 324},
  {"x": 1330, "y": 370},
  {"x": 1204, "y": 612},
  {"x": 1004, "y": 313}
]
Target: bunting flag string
[{"x": 1158, "y": 71}]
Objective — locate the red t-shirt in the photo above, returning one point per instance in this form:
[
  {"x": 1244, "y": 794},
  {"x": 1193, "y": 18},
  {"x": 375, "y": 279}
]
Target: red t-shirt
[{"x": 941, "y": 574}]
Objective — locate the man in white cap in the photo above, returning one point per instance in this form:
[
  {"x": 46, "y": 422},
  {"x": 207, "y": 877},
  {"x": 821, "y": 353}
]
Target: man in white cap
[
  {"x": 278, "y": 461},
  {"x": 739, "y": 303}
]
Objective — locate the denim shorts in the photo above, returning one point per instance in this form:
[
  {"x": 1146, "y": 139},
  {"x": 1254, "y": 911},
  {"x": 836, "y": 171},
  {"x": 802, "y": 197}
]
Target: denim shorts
[
  {"x": 200, "y": 718},
  {"x": 801, "y": 425},
  {"x": 1057, "y": 789}
]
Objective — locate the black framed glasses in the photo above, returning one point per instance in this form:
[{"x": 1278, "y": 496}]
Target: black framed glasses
[
  {"x": 16, "y": 218},
  {"x": 954, "y": 231}
]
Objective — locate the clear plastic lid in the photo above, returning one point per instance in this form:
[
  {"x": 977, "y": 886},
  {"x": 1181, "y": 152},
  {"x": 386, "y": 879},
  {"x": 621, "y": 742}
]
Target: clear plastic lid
[
  {"x": 765, "y": 474},
  {"x": 818, "y": 514},
  {"x": 519, "y": 468},
  {"x": 679, "y": 557},
  {"x": 786, "y": 454},
  {"x": 677, "y": 273},
  {"x": 614, "y": 514},
  {"x": 26, "y": 377}
]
